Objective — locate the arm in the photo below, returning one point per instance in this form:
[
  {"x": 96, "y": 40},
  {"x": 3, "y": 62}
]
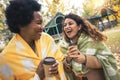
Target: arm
[
  {"x": 5, "y": 70},
  {"x": 92, "y": 62},
  {"x": 67, "y": 65},
  {"x": 54, "y": 51},
  {"x": 40, "y": 71}
]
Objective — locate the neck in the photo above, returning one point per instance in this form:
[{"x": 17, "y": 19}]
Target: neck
[
  {"x": 31, "y": 44},
  {"x": 75, "y": 39}
]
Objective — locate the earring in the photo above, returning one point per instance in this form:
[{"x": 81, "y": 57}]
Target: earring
[{"x": 79, "y": 27}]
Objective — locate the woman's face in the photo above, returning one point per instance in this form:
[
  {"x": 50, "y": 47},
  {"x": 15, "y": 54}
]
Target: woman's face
[
  {"x": 34, "y": 29},
  {"x": 71, "y": 28}
]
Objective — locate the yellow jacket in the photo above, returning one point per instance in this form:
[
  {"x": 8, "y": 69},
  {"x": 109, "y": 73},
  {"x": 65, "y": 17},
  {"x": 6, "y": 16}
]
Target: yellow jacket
[
  {"x": 24, "y": 62},
  {"x": 5, "y": 71}
]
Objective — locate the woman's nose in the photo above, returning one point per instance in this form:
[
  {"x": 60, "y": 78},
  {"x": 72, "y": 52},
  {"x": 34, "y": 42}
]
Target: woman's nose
[{"x": 42, "y": 27}]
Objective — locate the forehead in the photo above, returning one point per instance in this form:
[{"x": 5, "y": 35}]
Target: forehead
[
  {"x": 69, "y": 20},
  {"x": 37, "y": 16}
]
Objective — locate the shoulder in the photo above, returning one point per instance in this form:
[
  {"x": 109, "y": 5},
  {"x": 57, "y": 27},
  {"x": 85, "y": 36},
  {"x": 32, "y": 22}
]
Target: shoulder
[
  {"x": 9, "y": 47},
  {"x": 1, "y": 60},
  {"x": 63, "y": 43},
  {"x": 84, "y": 37},
  {"x": 45, "y": 35},
  {"x": 46, "y": 38}
]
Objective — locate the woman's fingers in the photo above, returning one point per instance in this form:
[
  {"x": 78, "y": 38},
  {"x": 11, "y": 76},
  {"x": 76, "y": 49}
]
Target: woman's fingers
[
  {"x": 73, "y": 51},
  {"x": 54, "y": 69}
]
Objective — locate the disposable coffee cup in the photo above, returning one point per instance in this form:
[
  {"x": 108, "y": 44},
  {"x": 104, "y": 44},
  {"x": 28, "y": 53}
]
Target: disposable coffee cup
[
  {"x": 47, "y": 63},
  {"x": 75, "y": 45},
  {"x": 72, "y": 44}
]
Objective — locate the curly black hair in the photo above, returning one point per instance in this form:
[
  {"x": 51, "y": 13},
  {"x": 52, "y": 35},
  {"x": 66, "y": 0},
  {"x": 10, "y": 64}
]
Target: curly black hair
[{"x": 19, "y": 13}]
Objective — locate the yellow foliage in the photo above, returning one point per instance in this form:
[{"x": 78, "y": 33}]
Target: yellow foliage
[
  {"x": 56, "y": 1},
  {"x": 112, "y": 17},
  {"x": 52, "y": 8},
  {"x": 1, "y": 26},
  {"x": 116, "y": 8},
  {"x": 47, "y": 2},
  {"x": 118, "y": 14},
  {"x": 62, "y": 7}
]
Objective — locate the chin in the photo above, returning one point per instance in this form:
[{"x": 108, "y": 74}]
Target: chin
[
  {"x": 69, "y": 37},
  {"x": 37, "y": 38}
]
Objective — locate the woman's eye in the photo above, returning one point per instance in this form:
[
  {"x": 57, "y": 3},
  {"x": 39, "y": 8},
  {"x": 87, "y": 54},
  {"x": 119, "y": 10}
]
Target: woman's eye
[
  {"x": 70, "y": 23},
  {"x": 39, "y": 23},
  {"x": 64, "y": 25}
]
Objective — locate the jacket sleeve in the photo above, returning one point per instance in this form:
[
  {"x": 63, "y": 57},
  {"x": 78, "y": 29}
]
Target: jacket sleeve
[{"x": 5, "y": 71}]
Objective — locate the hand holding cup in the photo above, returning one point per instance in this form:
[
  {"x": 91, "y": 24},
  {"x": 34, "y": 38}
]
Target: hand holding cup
[{"x": 50, "y": 66}]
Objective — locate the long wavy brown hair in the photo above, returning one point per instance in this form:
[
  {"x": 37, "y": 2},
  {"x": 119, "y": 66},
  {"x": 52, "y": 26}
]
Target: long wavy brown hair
[{"x": 86, "y": 28}]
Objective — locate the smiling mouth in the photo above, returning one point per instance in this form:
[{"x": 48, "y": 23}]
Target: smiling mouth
[
  {"x": 69, "y": 32},
  {"x": 40, "y": 32}
]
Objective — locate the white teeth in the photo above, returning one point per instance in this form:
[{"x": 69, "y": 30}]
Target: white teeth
[{"x": 68, "y": 31}]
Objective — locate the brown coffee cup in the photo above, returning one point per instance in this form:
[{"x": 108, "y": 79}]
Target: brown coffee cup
[{"x": 47, "y": 63}]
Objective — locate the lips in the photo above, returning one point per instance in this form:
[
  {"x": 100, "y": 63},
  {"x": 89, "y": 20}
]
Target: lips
[
  {"x": 69, "y": 32},
  {"x": 39, "y": 33}
]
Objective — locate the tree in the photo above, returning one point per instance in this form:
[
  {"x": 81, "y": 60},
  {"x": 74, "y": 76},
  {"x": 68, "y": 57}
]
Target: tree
[
  {"x": 5, "y": 34},
  {"x": 3, "y": 4},
  {"x": 91, "y": 8}
]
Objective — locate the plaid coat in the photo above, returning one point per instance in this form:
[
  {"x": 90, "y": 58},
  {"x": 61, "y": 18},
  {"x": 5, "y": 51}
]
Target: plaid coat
[{"x": 98, "y": 49}]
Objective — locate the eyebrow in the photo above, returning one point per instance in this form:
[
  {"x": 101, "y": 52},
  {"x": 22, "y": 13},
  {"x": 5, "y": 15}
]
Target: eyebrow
[{"x": 38, "y": 19}]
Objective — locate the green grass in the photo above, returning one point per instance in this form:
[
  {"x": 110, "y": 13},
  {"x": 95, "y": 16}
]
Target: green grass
[{"x": 113, "y": 41}]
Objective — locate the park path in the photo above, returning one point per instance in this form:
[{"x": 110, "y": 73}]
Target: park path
[{"x": 112, "y": 31}]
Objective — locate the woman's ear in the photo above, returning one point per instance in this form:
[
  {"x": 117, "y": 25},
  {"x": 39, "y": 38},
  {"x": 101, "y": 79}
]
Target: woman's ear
[{"x": 80, "y": 27}]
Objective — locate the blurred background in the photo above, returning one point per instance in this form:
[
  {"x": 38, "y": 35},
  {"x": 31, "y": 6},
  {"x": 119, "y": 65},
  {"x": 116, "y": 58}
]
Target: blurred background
[{"x": 104, "y": 14}]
